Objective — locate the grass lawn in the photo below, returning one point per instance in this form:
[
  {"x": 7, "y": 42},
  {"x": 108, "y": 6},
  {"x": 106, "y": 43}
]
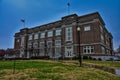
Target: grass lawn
[
  {"x": 111, "y": 64},
  {"x": 50, "y": 70}
]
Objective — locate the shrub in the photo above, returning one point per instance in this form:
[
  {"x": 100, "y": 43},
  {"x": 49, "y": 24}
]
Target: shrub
[
  {"x": 99, "y": 59},
  {"x": 85, "y": 57},
  {"x": 90, "y": 57},
  {"x": 40, "y": 57},
  {"x": 94, "y": 59}
]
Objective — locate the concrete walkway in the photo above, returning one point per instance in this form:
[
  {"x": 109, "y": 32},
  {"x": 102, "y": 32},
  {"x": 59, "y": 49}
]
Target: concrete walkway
[{"x": 117, "y": 71}]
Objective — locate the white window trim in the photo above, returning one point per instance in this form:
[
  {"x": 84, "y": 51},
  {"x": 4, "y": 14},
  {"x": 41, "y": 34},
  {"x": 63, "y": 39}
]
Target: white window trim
[
  {"x": 88, "y": 48},
  {"x": 58, "y": 32},
  {"x": 70, "y": 36},
  {"x": 57, "y": 48},
  {"x": 30, "y": 37},
  {"x": 49, "y": 49},
  {"x": 69, "y": 50},
  {"x": 36, "y": 36},
  {"x": 42, "y": 48},
  {"x": 57, "y": 44},
  {"x": 35, "y": 44},
  {"x": 102, "y": 50},
  {"x": 42, "y": 35},
  {"x": 18, "y": 40},
  {"x": 22, "y": 41},
  {"x": 87, "y": 28},
  {"x": 29, "y": 43},
  {"x": 49, "y": 33},
  {"x": 101, "y": 28},
  {"x": 102, "y": 38}
]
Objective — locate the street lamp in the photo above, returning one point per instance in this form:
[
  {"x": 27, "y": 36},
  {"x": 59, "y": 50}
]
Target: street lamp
[
  {"x": 15, "y": 53},
  {"x": 79, "y": 53},
  {"x": 14, "y": 63}
]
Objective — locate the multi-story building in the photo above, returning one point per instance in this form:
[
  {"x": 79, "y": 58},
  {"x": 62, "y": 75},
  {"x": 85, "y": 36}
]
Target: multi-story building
[{"x": 60, "y": 38}]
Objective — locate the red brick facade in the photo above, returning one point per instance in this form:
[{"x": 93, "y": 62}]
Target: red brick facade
[{"x": 60, "y": 38}]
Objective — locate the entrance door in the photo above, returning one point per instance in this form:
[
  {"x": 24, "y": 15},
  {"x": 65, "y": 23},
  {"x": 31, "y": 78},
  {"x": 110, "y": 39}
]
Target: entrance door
[{"x": 69, "y": 51}]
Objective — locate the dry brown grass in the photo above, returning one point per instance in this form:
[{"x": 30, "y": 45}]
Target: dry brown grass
[
  {"x": 9, "y": 75},
  {"x": 53, "y": 71}
]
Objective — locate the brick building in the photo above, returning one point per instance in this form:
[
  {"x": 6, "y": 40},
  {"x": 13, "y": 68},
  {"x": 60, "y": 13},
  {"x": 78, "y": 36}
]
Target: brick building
[{"x": 60, "y": 38}]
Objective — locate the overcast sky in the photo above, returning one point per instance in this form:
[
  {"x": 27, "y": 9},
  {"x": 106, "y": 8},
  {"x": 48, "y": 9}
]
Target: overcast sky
[{"x": 38, "y": 12}]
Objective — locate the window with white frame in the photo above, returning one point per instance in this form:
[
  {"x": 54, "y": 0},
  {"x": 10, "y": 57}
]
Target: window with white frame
[
  {"x": 57, "y": 48},
  {"x": 42, "y": 35},
  {"x": 22, "y": 41},
  {"x": 35, "y": 44},
  {"x": 29, "y": 45},
  {"x": 57, "y": 52},
  {"x": 30, "y": 37},
  {"x": 101, "y": 28},
  {"x": 68, "y": 34},
  {"x": 36, "y": 36},
  {"x": 42, "y": 48},
  {"x": 107, "y": 40},
  {"x": 107, "y": 51},
  {"x": 103, "y": 50},
  {"x": 69, "y": 51},
  {"x": 49, "y": 48},
  {"x": 88, "y": 49},
  {"x": 58, "y": 42},
  {"x": 86, "y": 28},
  {"x": 18, "y": 40},
  {"x": 102, "y": 38},
  {"x": 50, "y": 33},
  {"x": 58, "y": 32}
]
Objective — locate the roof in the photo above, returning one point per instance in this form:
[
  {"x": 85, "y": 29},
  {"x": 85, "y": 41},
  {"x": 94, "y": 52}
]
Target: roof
[
  {"x": 95, "y": 14},
  {"x": 73, "y": 17}
]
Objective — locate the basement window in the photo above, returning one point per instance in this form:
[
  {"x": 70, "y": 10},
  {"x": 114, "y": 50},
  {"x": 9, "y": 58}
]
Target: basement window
[{"x": 88, "y": 49}]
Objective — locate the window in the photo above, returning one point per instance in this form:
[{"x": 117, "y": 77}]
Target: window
[
  {"x": 35, "y": 44},
  {"x": 69, "y": 34},
  {"x": 57, "y": 52},
  {"x": 22, "y": 41},
  {"x": 42, "y": 35},
  {"x": 103, "y": 50},
  {"x": 29, "y": 45},
  {"x": 18, "y": 40},
  {"x": 86, "y": 28},
  {"x": 107, "y": 51},
  {"x": 50, "y": 33},
  {"x": 57, "y": 48},
  {"x": 36, "y": 36},
  {"x": 49, "y": 44},
  {"x": 88, "y": 49},
  {"x": 102, "y": 38},
  {"x": 49, "y": 48},
  {"x": 58, "y": 32},
  {"x": 69, "y": 51},
  {"x": 101, "y": 28},
  {"x": 58, "y": 42},
  {"x": 30, "y": 37},
  {"x": 42, "y": 48}
]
